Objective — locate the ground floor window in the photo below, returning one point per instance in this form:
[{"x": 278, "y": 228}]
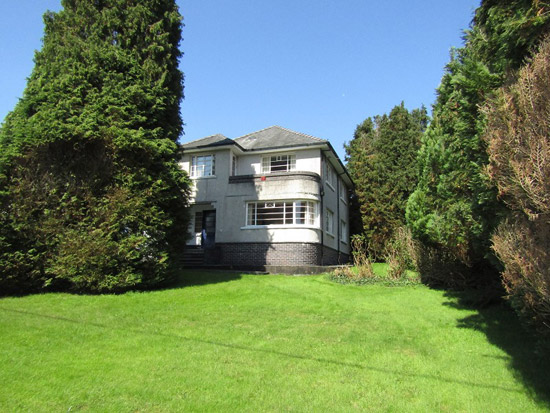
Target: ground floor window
[
  {"x": 281, "y": 213},
  {"x": 343, "y": 231},
  {"x": 329, "y": 221}
]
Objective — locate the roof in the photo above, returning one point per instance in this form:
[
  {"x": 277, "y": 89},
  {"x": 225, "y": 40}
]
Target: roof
[
  {"x": 276, "y": 137},
  {"x": 209, "y": 141},
  {"x": 273, "y": 137}
]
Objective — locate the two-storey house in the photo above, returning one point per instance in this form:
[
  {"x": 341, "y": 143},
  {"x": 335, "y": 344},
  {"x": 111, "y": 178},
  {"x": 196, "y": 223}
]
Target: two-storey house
[{"x": 272, "y": 197}]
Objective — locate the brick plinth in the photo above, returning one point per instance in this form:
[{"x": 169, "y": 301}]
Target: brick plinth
[{"x": 287, "y": 253}]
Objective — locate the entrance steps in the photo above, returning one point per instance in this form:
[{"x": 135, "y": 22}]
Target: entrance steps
[{"x": 193, "y": 257}]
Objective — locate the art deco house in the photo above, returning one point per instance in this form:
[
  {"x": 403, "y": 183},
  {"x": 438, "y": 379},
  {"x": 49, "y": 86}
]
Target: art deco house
[{"x": 272, "y": 197}]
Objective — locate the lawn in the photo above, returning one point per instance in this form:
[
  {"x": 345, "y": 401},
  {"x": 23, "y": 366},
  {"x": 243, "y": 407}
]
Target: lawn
[{"x": 238, "y": 342}]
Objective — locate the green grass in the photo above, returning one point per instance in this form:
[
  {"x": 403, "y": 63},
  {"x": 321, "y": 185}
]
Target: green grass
[{"x": 235, "y": 342}]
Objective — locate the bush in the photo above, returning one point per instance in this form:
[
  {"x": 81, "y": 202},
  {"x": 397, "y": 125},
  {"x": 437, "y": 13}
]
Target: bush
[
  {"x": 524, "y": 247},
  {"x": 362, "y": 262},
  {"x": 363, "y": 271},
  {"x": 401, "y": 253},
  {"x": 518, "y": 139}
]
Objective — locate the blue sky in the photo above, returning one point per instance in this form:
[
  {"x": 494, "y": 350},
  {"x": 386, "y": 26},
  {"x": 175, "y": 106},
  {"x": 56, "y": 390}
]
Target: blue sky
[{"x": 318, "y": 67}]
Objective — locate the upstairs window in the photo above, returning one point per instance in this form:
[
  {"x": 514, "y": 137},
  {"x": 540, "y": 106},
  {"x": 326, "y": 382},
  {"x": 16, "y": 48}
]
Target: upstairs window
[
  {"x": 233, "y": 165},
  {"x": 281, "y": 213},
  {"x": 343, "y": 192},
  {"x": 203, "y": 165},
  {"x": 331, "y": 176},
  {"x": 278, "y": 163}
]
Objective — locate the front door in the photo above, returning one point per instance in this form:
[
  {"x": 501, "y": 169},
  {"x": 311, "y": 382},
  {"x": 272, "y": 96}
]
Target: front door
[{"x": 208, "y": 234}]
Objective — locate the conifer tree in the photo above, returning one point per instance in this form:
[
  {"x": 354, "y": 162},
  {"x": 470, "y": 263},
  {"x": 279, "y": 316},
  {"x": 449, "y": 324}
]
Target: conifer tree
[
  {"x": 454, "y": 209},
  {"x": 518, "y": 138},
  {"x": 381, "y": 160},
  {"x": 91, "y": 196}
]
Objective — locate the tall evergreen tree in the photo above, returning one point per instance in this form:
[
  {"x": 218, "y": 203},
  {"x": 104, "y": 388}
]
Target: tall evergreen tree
[
  {"x": 454, "y": 208},
  {"x": 91, "y": 196},
  {"x": 381, "y": 160},
  {"x": 518, "y": 139}
]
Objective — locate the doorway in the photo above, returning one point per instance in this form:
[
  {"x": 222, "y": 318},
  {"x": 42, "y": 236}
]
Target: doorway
[{"x": 208, "y": 229}]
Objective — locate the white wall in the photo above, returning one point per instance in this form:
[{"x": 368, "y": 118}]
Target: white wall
[{"x": 230, "y": 199}]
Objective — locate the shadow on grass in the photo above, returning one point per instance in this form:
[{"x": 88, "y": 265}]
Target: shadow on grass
[
  {"x": 529, "y": 356},
  {"x": 191, "y": 277},
  {"x": 283, "y": 354}
]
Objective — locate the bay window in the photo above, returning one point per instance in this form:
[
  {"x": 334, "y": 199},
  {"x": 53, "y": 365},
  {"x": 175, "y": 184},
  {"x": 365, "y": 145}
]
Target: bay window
[{"x": 281, "y": 213}]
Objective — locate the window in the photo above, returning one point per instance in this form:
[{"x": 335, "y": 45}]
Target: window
[
  {"x": 343, "y": 192},
  {"x": 278, "y": 163},
  {"x": 281, "y": 213},
  {"x": 233, "y": 165},
  {"x": 331, "y": 176},
  {"x": 329, "y": 221},
  {"x": 203, "y": 165},
  {"x": 343, "y": 231}
]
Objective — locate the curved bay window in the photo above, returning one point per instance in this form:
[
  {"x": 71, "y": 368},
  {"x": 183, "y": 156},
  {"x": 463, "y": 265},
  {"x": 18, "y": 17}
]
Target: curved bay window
[{"x": 281, "y": 213}]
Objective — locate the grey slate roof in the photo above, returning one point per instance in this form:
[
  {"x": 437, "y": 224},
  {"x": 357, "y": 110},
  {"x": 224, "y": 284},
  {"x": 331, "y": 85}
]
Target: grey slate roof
[
  {"x": 276, "y": 137},
  {"x": 209, "y": 141}
]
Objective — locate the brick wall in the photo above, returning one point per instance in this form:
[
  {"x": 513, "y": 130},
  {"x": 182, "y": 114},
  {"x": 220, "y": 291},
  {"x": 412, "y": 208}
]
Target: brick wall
[
  {"x": 333, "y": 257},
  {"x": 288, "y": 253}
]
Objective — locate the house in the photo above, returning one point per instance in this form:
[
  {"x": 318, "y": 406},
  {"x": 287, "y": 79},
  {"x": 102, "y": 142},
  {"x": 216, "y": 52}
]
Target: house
[{"x": 272, "y": 197}]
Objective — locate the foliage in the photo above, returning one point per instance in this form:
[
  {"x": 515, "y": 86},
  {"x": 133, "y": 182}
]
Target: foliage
[
  {"x": 91, "y": 196},
  {"x": 454, "y": 209},
  {"x": 238, "y": 342},
  {"x": 401, "y": 253},
  {"x": 381, "y": 160},
  {"x": 364, "y": 271},
  {"x": 518, "y": 139}
]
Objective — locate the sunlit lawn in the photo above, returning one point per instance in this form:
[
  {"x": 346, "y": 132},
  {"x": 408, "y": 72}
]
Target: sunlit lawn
[{"x": 235, "y": 342}]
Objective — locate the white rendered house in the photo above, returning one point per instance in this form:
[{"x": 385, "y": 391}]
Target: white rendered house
[{"x": 272, "y": 197}]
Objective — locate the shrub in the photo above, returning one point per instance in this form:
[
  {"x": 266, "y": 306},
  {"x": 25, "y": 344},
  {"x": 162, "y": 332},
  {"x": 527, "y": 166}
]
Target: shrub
[
  {"x": 524, "y": 247},
  {"x": 518, "y": 138},
  {"x": 401, "y": 253},
  {"x": 363, "y": 271}
]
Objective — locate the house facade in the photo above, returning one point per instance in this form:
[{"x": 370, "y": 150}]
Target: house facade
[{"x": 272, "y": 197}]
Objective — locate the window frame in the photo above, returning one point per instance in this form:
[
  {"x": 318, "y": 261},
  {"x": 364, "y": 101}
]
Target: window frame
[
  {"x": 234, "y": 165},
  {"x": 330, "y": 177},
  {"x": 329, "y": 222},
  {"x": 267, "y": 167},
  {"x": 301, "y": 212},
  {"x": 343, "y": 231},
  {"x": 343, "y": 192},
  {"x": 196, "y": 163}
]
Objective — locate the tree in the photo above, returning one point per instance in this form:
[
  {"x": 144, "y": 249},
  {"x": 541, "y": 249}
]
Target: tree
[
  {"x": 518, "y": 139},
  {"x": 381, "y": 160},
  {"x": 91, "y": 195},
  {"x": 454, "y": 209}
]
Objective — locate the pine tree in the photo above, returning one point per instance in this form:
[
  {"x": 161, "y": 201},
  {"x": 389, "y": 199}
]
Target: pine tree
[
  {"x": 91, "y": 195},
  {"x": 381, "y": 160},
  {"x": 518, "y": 139},
  {"x": 454, "y": 209}
]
